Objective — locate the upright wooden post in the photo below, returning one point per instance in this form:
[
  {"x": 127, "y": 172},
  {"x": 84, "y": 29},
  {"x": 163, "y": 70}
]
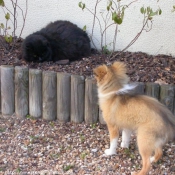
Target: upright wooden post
[
  {"x": 49, "y": 95},
  {"x": 63, "y": 97},
  {"x": 167, "y": 96},
  {"x": 140, "y": 89},
  {"x": 101, "y": 119},
  {"x": 152, "y": 89},
  {"x": 35, "y": 93},
  {"x": 77, "y": 98},
  {"x": 91, "y": 101},
  {"x": 7, "y": 90},
  {"x": 21, "y": 91}
]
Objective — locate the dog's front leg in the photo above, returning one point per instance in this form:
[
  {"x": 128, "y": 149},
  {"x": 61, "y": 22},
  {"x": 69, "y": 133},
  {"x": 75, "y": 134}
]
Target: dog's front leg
[
  {"x": 114, "y": 134},
  {"x": 126, "y": 136}
]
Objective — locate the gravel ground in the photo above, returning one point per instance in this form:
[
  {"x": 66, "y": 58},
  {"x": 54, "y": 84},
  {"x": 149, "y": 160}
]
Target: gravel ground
[{"x": 31, "y": 146}]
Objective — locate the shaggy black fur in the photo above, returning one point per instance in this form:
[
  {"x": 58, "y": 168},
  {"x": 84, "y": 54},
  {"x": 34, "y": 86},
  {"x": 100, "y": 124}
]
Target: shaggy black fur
[{"x": 59, "y": 40}]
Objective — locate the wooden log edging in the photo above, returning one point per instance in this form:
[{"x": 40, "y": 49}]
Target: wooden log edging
[
  {"x": 49, "y": 91},
  {"x": 7, "y": 90},
  {"x": 62, "y": 96},
  {"x": 152, "y": 89},
  {"x": 91, "y": 101},
  {"x": 77, "y": 98},
  {"x": 35, "y": 93},
  {"x": 21, "y": 91},
  {"x": 167, "y": 94}
]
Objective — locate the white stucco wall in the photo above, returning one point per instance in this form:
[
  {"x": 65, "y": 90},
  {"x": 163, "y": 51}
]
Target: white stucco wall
[{"x": 160, "y": 40}]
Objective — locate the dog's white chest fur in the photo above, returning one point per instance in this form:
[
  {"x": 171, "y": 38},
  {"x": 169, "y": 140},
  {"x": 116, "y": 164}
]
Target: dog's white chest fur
[{"x": 126, "y": 89}]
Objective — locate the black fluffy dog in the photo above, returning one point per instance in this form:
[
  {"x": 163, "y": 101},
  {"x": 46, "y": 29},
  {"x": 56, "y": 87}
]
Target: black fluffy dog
[{"x": 60, "y": 40}]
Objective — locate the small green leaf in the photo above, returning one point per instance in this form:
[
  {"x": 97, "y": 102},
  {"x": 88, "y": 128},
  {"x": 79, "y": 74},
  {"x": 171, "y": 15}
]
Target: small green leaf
[
  {"x": 114, "y": 16},
  {"x": 83, "y": 6},
  {"x": 8, "y": 39},
  {"x": 79, "y": 4},
  {"x": 2, "y": 26},
  {"x": 2, "y": 3},
  {"x": 148, "y": 9},
  {"x": 153, "y": 13},
  {"x": 110, "y": 3},
  {"x": 7, "y": 16},
  {"x": 84, "y": 28},
  {"x": 142, "y": 10},
  {"x": 116, "y": 19},
  {"x": 119, "y": 21},
  {"x": 160, "y": 11},
  {"x": 108, "y": 8},
  {"x": 123, "y": 13}
]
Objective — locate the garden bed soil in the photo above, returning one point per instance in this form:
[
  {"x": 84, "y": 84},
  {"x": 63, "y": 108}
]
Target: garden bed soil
[{"x": 141, "y": 66}]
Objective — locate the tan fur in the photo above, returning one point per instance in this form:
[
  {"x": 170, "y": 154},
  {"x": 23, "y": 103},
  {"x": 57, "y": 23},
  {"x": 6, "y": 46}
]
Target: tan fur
[{"x": 153, "y": 122}]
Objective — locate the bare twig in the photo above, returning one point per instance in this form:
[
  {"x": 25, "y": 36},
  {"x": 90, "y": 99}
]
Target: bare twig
[
  {"x": 95, "y": 12},
  {"x": 96, "y": 18},
  {"x": 14, "y": 14},
  {"x": 94, "y": 25},
  {"x": 8, "y": 10},
  {"x": 115, "y": 38},
  {"x": 117, "y": 12},
  {"x": 24, "y": 17},
  {"x": 133, "y": 40},
  {"x": 131, "y": 3}
]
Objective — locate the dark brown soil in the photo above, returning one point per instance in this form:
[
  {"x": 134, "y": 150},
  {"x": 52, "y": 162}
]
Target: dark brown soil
[{"x": 141, "y": 66}]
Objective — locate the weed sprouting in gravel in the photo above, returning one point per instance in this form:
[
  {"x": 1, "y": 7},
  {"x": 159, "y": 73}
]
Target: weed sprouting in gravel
[
  {"x": 93, "y": 126},
  {"x": 52, "y": 124},
  {"x": 18, "y": 170},
  {"x": 67, "y": 167},
  {"x": 2, "y": 129},
  {"x": 129, "y": 153},
  {"x": 33, "y": 138},
  {"x": 55, "y": 155},
  {"x": 82, "y": 138},
  {"x": 83, "y": 155}
]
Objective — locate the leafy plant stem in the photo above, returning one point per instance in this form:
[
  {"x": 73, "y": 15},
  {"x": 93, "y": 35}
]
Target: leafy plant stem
[{"x": 133, "y": 40}]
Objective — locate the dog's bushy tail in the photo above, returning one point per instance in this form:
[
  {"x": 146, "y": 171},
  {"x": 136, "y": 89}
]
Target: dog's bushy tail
[{"x": 167, "y": 117}]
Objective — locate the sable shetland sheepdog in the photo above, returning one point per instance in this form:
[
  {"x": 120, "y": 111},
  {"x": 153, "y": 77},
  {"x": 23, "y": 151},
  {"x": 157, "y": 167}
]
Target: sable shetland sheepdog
[{"x": 153, "y": 123}]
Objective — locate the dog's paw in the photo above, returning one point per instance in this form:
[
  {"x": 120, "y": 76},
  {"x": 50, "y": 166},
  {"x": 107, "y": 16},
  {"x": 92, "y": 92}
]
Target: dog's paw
[
  {"x": 110, "y": 152},
  {"x": 152, "y": 159},
  {"x": 124, "y": 145}
]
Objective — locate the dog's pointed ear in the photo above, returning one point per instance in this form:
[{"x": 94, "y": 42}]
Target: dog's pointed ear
[
  {"x": 119, "y": 67},
  {"x": 100, "y": 72},
  {"x": 120, "y": 71}
]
